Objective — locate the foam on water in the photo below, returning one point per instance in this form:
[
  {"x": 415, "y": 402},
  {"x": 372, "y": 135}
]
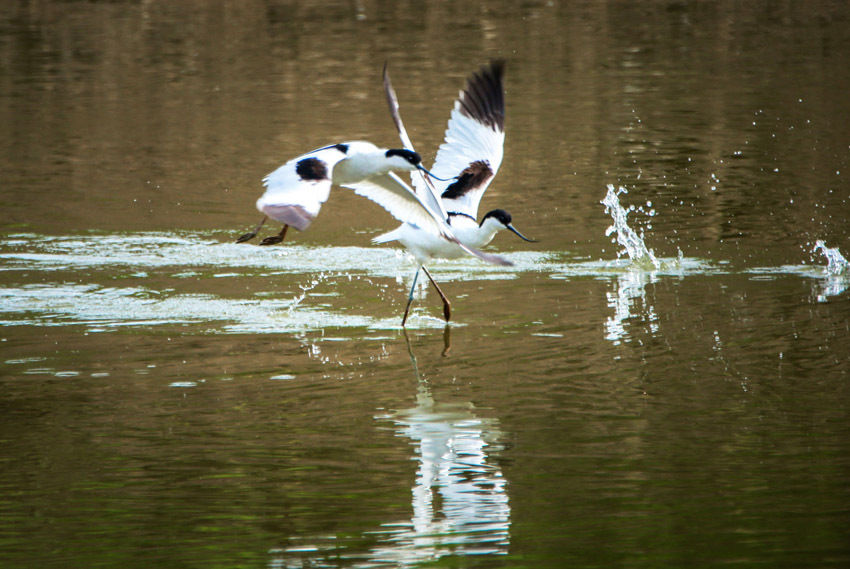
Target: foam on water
[
  {"x": 163, "y": 250},
  {"x": 59, "y": 280},
  {"x": 108, "y": 308}
]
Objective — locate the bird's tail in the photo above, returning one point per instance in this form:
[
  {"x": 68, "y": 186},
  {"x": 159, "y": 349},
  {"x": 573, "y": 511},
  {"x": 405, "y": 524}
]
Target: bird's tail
[{"x": 386, "y": 237}]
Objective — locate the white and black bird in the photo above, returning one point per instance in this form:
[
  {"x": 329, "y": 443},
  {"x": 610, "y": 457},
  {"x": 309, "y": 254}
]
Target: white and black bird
[
  {"x": 437, "y": 221},
  {"x": 466, "y": 163},
  {"x": 296, "y": 191}
]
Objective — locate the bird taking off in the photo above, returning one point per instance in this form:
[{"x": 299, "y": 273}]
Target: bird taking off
[
  {"x": 466, "y": 163},
  {"x": 437, "y": 221},
  {"x": 296, "y": 191}
]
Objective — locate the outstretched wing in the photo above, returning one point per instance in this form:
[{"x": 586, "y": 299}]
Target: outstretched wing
[
  {"x": 474, "y": 142},
  {"x": 392, "y": 101},
  {"x": 296, "y": 191},
  {"x": 424, "y": 187},
  {"x": 402, "y": 202},
  {"x": 391, "y": 192}
]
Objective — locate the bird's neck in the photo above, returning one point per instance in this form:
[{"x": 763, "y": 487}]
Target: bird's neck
[
  {"x": 470, "y": 233},
  {"x": 360, "y": 166}
]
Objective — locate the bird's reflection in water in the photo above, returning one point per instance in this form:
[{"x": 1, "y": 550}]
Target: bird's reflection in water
[{"x": 459, "y": 497}]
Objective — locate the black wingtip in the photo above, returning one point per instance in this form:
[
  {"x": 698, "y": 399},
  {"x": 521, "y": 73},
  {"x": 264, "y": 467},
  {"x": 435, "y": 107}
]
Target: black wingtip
[{"x": 483, "y": 99}]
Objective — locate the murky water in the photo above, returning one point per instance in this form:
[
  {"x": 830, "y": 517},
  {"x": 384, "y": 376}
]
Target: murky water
[{"x": 662, "y": 380}]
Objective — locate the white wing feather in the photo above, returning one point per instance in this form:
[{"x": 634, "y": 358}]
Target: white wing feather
[
  {"x": 424, "y": 187},
  {"x": 394, "y": 195},
  {"x": 431, "y": 215},
  {"x": 289, "y": 193},
  {"x": 470, "y": 139},
  {"x": 392, "y": 101},
  {"x": 401, "y": 201}
]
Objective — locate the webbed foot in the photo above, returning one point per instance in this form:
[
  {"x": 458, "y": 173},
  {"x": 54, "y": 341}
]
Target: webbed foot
[{"x": 273, "y": 240}]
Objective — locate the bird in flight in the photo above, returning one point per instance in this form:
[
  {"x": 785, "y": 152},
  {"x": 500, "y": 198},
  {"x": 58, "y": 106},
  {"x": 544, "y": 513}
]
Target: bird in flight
[
  {"x": 438, "y": 221},
  {"x": 296, "y": 191},
  {"x": 466, "y": 163}
]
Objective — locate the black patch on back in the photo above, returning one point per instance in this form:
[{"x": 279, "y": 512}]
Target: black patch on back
[
  {"x": 483, "y": 99},
  {"x": 341, "y": 147},
  {"x": 311, "y": 169},
  {"x": 472, "y": 177},
  {"x": 452, "y": 214},
  {"x": 409, "y": 155}
]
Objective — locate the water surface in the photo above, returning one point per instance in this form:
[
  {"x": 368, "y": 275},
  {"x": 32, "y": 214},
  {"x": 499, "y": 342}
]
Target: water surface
[{"x": 676, "y": 395}]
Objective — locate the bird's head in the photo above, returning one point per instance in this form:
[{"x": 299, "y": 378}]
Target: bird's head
[
  {"x": 403, "y": 159},
  {"x": 501, "y": 219}
]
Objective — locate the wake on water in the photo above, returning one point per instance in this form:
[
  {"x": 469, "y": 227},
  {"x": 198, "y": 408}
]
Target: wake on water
[{"x": 63, "y": 280}]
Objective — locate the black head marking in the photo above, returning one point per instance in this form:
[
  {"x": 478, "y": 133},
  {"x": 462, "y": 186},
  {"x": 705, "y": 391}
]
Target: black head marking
[
  {"x": 501, "y": 216},
  {"x": 342, "y": 148},
  {"x": 473, "y": 176},
  {"x": 409, "y": 155},
  {"x": 311, "y": 169},
  {"x": 483, "y": 99}
]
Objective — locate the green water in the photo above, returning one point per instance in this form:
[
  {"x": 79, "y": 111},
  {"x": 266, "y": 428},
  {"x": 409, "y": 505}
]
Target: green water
[{"x": 171, "y": 399}]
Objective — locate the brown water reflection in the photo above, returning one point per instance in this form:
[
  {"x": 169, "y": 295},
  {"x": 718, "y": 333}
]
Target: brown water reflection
[{"x": 172, "y": 399}]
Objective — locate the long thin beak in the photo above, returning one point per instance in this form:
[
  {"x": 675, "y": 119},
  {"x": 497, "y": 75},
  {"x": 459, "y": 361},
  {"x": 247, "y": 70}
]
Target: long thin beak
[
  {"x": 422, "y": 168},
  {"x": 521, "y": 236}
]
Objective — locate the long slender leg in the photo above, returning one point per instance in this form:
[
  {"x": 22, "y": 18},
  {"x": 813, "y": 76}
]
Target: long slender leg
[
  {"x": 447, "y": 306},
  {"x": 252, "y": 234},
  {"x": 275, "y": 239},
  {"x": 447, "y": 340},
  {"x": 410, "y": 297}
]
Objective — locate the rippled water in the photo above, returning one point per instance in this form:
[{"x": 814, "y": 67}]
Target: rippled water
[
  {"x": 160, "y": 279},
  {"x": 661, "y": 380}
]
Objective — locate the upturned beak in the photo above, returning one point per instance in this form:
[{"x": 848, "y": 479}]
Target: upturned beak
[
  {"x": 422, "y": 168},
  {"x": 520, "y": 235}
]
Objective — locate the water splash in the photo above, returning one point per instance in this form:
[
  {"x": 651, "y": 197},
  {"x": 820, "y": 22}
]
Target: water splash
[
  {"x": 837, "y": 272},
  {"x": 633, "y": 244},
  {"x": 836, "y": 263},
  {"x": 629, "y": 300}
]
